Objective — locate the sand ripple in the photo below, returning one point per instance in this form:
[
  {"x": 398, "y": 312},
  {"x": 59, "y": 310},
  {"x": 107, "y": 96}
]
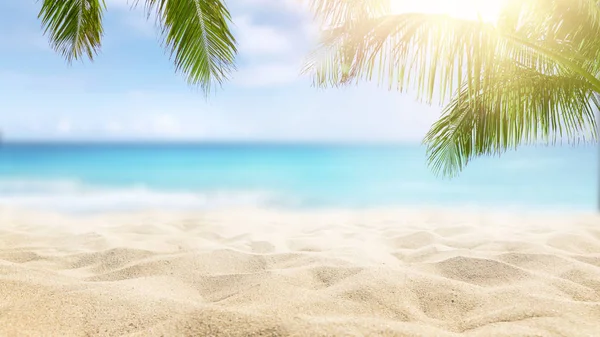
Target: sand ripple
[{"x": 264, "y": 273}]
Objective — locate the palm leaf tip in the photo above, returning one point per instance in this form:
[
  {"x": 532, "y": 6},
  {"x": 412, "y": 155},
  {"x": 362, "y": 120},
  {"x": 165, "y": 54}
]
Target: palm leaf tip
[
  {"x": 197, "y": 35},
  {"x": 518, "y": 106},
  {"x": 74, "y": 27}
]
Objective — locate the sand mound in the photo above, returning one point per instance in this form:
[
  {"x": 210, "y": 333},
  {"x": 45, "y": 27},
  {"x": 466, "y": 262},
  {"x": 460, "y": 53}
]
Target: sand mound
[{"x": 264, "y": 273}]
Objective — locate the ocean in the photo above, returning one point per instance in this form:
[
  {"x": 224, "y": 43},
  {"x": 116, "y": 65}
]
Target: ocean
[{"x": 96, "y": 177}]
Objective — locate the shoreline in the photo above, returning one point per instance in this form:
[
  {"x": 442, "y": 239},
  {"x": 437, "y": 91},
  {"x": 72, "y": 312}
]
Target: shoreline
[
  {"x": 248, "y": 271},
  {"x": 567, "y": 212}
]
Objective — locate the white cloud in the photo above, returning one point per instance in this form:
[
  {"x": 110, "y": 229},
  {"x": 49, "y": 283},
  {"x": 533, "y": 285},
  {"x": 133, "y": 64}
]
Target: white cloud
[
  {"x": 122, "y": 4},
  {"x": 260, "y": 39},
  {"x": 288, "y": 5},
  {"x": 157, "y": 115},
  {"x": 269, "y": 74},
  {"x": 311, "y": 31},
  {"x": 272, "y": 54},
  {"x": 296, "y": 114},
  {"x": 64, "y": 125},
  {"x": 353, "y": 113},
  {"x": 165, "y": 124},
  {"x": 113, "y": 127}
]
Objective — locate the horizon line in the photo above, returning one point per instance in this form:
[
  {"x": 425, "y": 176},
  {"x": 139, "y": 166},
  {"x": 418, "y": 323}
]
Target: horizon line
[{"x": 205, "y": 141}]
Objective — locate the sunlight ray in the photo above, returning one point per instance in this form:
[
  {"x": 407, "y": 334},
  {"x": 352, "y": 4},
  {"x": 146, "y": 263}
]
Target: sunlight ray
[{"x": 485, "y": 10}]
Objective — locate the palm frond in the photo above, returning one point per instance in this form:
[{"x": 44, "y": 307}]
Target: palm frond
[
  {"x": 433, "y": 53},
  {"x": 562, "y": 20},
  {"x": 532, "y": 74},
  {"x": 522, "y": 107},
  {"x": 567, "y": 26},
  {"x": 74, "y": 27},
  {"x": 197, "y": 35}
]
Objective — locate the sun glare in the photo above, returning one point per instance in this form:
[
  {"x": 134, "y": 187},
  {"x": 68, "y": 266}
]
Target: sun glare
[{"x": 486, "y": 10}]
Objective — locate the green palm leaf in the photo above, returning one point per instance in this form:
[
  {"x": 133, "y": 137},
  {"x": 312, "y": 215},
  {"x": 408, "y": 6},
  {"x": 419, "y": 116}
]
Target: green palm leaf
[
  {"x": 196, "y": 33},
  {"x": 568, "y": 27},
  {"x": 434, "y": 54},
  {"x": 74, "y": 27},
  {"x": 532, "y": 74},
  {"x": 522, "y": 107}
]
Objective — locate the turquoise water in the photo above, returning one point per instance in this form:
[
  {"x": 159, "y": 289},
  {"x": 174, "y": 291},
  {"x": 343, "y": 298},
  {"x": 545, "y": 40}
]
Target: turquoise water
[{"x": 87, "y": 177}]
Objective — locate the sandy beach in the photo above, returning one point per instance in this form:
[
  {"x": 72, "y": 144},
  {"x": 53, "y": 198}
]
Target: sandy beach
[{"x": 251, "y": 272}]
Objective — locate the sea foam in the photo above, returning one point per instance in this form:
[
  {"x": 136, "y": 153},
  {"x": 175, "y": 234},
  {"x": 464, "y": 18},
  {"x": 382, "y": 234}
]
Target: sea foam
[{"x": 74, "y": 196}]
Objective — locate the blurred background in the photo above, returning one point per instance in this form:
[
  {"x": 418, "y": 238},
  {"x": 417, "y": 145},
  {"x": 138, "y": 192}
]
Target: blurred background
[{"x": 125, "y": 133}]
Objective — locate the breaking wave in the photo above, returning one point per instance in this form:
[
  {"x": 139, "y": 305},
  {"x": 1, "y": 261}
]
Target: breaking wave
[{"x": 74, "y": 196}]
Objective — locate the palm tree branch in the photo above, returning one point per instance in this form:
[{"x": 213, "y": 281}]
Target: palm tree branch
[
  {"x": 74, "y": 27},
  {"x": 432, "y": 53},
  {"x": 435, "y": 53},
  {"x": 555, "y": 21},
  {"x": 521, "y": 107},
  {"x": 198, "y": 37}
]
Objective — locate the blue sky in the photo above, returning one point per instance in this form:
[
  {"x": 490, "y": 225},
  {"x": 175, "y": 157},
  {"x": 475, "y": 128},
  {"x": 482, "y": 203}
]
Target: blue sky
[{"x": 130, "y": 92}]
